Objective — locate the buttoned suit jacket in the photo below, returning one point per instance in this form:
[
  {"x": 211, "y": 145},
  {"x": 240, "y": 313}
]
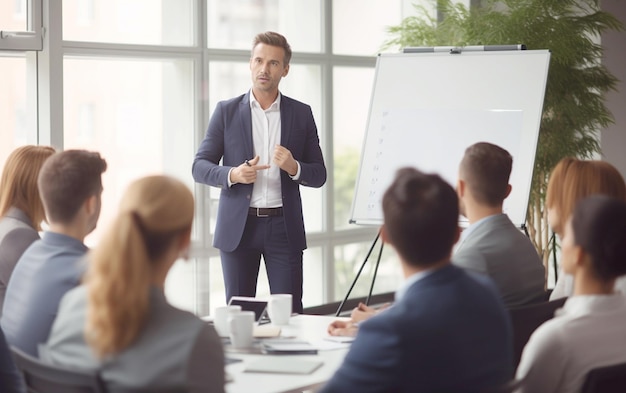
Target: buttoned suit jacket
[
  {"x": 500, "y": 250},
  {"x": 229, "y": 138},
  {"x": 449, "y": 333}
]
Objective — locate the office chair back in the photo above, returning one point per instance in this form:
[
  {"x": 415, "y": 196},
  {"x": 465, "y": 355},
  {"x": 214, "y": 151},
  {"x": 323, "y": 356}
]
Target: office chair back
[
  {"x": 44, "y": 378},
  {"x": 150, "y": 390},
  {"x": 609, "y": 379},
  {"x": 508, "y": 387},
  {"x": 527, "y": 319}
]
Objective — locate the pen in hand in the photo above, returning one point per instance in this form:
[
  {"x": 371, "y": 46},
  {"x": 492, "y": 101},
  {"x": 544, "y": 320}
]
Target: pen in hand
[{"x": 246, "y": 172}]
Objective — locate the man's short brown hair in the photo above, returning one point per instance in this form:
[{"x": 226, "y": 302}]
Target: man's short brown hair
[
  {"x": 421, "y": 215},
  {"x": 67, "y": 179},
  {"x": 274, "y": 39},
  {"x": 486, "y": 168}
]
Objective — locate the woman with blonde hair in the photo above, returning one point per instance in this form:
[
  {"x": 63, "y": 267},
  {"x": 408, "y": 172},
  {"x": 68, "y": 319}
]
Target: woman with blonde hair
[
  {"x": 21, "y": 209},
  {"x": 119, "y": 321},
  {"x": 572, "y": 180},
  {"x": 588, "y": 332}
]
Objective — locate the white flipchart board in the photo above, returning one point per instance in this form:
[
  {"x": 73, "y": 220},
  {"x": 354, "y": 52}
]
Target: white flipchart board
[{"x": 427, "y": 108}]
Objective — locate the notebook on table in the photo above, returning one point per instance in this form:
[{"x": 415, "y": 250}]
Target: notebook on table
[{"x": 280, "y": 365}]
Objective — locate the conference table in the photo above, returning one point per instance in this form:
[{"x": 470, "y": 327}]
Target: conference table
[{"x": 309, "y": 328}]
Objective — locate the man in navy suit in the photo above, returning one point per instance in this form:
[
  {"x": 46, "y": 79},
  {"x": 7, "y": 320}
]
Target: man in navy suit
[
  {"x": 448, "y": 330},
  {"x": 269, "y": 146}
]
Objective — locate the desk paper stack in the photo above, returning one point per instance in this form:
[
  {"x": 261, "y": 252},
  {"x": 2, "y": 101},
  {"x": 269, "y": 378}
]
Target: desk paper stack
[
  {"x": 283, "y": 366},
  {"x": 266, "y": 331},
  {"x": 288, "y": 347}
]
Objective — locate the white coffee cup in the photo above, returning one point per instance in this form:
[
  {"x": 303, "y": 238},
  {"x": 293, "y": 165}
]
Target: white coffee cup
[
  {"x": 279, "y": 308},
  {"x": 241, "y": 327},
  {"x": 220, "y": 320}
]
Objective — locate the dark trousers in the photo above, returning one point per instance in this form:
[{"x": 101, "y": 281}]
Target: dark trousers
[{"x": 265, "y": 236}]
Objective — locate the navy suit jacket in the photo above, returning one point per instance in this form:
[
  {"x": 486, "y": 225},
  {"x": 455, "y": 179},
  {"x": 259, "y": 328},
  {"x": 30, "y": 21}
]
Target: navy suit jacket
[
  {"x": 449, "y": 333},
  {"x": 229, "y": 138}
]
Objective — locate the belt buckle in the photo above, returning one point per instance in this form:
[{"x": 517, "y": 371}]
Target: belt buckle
[{"x": 258, "y": 214}]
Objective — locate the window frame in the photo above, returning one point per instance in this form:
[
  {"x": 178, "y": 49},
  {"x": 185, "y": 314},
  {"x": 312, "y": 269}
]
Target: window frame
[{"x": 30, "y": 39}]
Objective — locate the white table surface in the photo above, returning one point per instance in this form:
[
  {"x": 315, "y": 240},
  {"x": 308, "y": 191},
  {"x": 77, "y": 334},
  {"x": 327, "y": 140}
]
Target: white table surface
[{"x": 311, "y": 328}]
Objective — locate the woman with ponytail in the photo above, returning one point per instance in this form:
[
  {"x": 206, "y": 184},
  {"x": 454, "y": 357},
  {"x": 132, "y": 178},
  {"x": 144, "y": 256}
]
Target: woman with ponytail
[{"x": 119, "y": 321}]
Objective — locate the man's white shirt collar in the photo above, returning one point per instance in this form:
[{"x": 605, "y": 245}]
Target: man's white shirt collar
[{"x": 255, "y": 104}]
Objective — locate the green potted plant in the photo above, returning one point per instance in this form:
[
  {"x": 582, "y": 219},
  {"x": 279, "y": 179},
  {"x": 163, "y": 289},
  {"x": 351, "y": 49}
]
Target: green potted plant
[{"x": 574, "y": 110}]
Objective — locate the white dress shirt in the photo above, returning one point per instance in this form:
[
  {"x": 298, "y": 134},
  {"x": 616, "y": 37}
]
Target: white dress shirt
[
  {"x": 564, "y": 286},
  {"x": 266, "y": 126},
  {"x": 587, "y": 333},
  {"x": 266, "y": 133}
]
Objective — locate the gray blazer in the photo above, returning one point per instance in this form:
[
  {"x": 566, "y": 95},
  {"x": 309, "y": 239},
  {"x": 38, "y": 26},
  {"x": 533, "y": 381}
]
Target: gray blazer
[
  {"x": 17, "y": 233},
  {"x": 174, "y": 350},
  {"x": 500, "y": 250}
]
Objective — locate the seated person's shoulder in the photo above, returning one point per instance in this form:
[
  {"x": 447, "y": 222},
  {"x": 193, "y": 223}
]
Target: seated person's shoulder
[
  {"x": 76, "y": 296},
  {"x": 19, "y": 236},
  {"x": 482, "y": 284},
  {"x": 470, "y": 258}
]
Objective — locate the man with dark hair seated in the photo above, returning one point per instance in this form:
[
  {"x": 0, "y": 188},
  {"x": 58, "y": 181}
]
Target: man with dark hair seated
[
  {"x": 491, "y": 245},
  {"x": 448, "y": 330},
  {"x": 70, "y": 186}
]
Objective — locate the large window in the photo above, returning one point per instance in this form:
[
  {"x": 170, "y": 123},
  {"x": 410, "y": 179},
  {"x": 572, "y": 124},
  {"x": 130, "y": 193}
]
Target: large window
[
  {"x": 138, "y": 113},
  {"x": 138, "y": 80},
  {"x": 232, "y": 24},
  {"x": 18, "y": 117},
  {"x": 14, "y": 122},
  {"x": 153, "y": 22},
  {"x": 20, "y": 25}
]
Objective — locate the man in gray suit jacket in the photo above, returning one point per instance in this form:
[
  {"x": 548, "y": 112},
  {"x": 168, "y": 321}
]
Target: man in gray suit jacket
[{"x": 492, "y": 245}]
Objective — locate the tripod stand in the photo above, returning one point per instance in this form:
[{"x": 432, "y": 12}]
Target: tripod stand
[{"x": 367, "y": 300}]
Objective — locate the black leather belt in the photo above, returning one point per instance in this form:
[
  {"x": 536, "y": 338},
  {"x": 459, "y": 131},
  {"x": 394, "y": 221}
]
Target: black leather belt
[{"x": 265, "y": 211}]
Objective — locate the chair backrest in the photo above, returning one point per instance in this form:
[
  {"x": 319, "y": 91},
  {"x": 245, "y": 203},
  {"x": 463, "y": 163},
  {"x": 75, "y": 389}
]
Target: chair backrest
[
  {"x": 609, "y": 379},
  {"x": 149, "y": 390},
  {"x": 44, "y": 378},
  {"x": 508, "y": 387},
  {"x": 527, "y": 319}
]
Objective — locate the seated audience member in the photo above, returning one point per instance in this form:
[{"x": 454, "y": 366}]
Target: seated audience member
[
  {"x": 448, "y": 330},
  {"x": 492, "y": 244},
  {"x": 10, "y": 378},
  {"x": 589, "y": 331},
  {"x": 119, "y": 321},
  {"x": 70, "y": 186},
  {"x": 572, "y": 180},
  {"x": 20, "y": 207}
]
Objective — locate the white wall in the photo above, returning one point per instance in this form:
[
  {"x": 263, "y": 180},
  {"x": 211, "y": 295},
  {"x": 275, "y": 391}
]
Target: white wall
[{"x": 613, "y": 139}]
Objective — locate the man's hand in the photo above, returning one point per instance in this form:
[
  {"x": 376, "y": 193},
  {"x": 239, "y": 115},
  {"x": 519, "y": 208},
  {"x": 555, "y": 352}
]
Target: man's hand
[
  {"x": 246, "y": 172},
  {"x": 363, "y": 312},
  {"x": 284, "y": 160},
  {"x": 343, "y": 328}
]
